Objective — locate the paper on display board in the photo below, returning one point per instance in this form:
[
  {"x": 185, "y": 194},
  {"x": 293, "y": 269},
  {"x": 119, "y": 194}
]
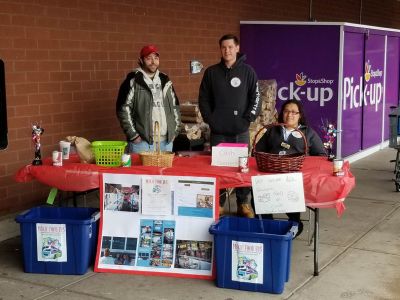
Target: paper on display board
[
  {"x": 156, "y": 195},
  {"x": 156, "y": 224}
]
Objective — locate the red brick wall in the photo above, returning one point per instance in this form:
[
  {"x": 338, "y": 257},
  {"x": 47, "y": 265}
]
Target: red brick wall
[{"x": 65, "y": 59}]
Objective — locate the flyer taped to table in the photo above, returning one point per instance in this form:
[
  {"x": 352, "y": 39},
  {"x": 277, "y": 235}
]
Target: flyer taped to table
[{"x": 278, "y": 193}]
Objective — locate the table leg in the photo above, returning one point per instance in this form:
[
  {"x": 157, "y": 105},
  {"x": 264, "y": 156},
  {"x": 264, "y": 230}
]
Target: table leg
[
  {"x": 74, "y": 199},
  {"x": 310, "y": 233},
  {"x": 316, "y": 240}
]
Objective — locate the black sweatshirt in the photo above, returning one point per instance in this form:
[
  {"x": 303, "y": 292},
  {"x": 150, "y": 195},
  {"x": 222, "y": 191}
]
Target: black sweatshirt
[{"x": 229, "y": 98}]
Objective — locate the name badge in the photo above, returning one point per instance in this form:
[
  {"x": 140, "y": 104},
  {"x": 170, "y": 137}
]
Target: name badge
[
  {"x": 285, "y": 145},
  {"x": 297, "y": 134}
]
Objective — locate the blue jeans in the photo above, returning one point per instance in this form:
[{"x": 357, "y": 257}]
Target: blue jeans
[
  {"x": 243, "y": 138},
  {"x": 144, "y": 146}
]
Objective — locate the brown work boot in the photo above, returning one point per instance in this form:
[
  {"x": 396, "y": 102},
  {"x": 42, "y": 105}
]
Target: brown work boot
[
  {"x": 221, "y": 211},
  {"x": 245, "y": 210}
]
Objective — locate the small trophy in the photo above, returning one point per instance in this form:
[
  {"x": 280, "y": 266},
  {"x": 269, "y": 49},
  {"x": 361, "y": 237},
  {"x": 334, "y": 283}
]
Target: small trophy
[
  {"x": 37, "y": 131},
  {"x": 330, "y": 133}
]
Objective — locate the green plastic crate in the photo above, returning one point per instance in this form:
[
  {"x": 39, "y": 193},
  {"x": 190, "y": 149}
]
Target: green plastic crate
[{"x": 108, "y": 153}]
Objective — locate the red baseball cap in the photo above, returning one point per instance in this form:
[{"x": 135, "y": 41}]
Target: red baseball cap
[{"x": 147, "y": 50}]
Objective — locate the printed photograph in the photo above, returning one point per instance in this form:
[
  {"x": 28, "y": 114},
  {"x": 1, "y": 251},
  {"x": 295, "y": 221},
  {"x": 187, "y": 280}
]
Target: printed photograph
[
  {"x": 158, "y": 226},
  {"x": 169, "y": 234},
  {"x": 204, "y": 201},
  {"x": 121, "y": 198},
  {"x": 143, "y": 256},
  {"x": 155, "y": 252},
  {"x": 145, "y": 240},
  {"x": 155, "y": 262},
  {"x": 167, "y": 251},
  {"x": 157, "y": 239},
  {"x": 118, "y": 250},
  {"x": 193, "y": 255},
  {"x": 167, "y": 263}
]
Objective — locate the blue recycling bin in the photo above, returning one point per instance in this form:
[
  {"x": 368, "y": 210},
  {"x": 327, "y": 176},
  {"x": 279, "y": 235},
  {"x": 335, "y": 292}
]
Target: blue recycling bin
[
  {"x": 58, "y": 240},
  {"x": 252, "y": 254}
]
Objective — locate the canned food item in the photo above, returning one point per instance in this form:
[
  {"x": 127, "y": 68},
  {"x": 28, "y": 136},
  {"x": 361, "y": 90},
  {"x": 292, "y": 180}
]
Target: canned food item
[
  {"x": 338, "y": 167},
  {"x": 57, "y": 158},
  {"x": 126, "y": 160},
  {"x": 244, "y": 164}
]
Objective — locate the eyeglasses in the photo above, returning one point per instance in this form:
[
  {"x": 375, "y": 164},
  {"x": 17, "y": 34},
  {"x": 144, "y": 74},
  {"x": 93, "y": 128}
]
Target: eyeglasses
[{"x": 292, "y": 112}]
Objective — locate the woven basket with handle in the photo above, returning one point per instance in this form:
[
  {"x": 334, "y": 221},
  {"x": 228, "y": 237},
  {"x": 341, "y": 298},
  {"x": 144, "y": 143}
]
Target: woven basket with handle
[
  {"x": 269, "y": 162},
  {"x": 157, "y": 157}
]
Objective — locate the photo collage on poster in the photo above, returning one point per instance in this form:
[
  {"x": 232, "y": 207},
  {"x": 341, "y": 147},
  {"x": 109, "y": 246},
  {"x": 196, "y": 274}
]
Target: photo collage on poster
[
  {"x": 156, "y": 243},
  {"x": 156, "y": 224}
]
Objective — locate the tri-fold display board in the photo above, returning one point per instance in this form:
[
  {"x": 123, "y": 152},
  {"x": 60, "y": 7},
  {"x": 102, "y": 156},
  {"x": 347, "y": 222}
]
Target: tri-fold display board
[{"x": 157, "y": 224}]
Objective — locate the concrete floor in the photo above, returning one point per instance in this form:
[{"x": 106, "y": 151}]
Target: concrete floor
[{"x": 359, "y": 256}]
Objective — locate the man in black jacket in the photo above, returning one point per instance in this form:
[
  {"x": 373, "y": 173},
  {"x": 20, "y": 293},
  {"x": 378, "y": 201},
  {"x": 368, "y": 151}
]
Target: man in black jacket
[{"x": 229, "y": 101}]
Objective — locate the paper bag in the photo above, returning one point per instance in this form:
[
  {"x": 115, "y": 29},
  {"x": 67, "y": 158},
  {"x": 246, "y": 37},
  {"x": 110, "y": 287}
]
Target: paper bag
[{"x": 83, "y": 147}]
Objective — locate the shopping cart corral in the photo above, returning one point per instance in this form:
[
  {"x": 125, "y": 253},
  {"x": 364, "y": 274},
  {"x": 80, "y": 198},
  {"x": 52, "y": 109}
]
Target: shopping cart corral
[{"x": 394, "y": 142}]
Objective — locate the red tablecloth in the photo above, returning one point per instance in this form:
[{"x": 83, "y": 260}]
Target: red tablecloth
[{"x": 321, "y": 188}]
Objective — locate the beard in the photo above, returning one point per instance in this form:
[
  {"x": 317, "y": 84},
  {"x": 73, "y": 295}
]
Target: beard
[{"x": 150, "y": 69}]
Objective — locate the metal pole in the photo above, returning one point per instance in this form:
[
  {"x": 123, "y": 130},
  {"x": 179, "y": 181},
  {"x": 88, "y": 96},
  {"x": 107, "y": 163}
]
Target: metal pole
[{"x": 316, "y": 241}]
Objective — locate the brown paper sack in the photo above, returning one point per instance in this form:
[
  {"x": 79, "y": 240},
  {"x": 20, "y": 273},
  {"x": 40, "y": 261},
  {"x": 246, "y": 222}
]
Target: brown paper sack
[{"x": 83, "y": 147}]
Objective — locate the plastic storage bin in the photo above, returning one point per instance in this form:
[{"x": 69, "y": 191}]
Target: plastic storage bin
[
  {"x": 58, "y": 240},
  {"x": 252, "y": 254}
]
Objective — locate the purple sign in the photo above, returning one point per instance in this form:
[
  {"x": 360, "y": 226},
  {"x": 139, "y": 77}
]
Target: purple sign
[
  {"x": 303, "y": 59},
  {"x": 373, "y": 90},
  {"x": 353, "y": 66},
  {"x": 362, "y": 90}
]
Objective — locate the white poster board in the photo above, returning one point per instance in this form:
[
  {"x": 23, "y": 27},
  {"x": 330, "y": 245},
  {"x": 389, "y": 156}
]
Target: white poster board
[
  {"x": 156, "y": 224},
  {"x": 278, "y": 193}
]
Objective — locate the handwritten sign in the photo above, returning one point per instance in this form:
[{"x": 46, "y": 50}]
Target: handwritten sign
[
  {"x": 228, "y": 156},
  {"x": 278, "y": 193}
]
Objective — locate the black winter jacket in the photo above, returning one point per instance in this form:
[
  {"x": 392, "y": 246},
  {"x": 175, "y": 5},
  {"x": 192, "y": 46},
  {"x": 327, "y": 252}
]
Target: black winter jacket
[
  {"x": 229, "y": 98},
  {"x": 271, "y": 142},
  {"x": 135, "y": 105}
]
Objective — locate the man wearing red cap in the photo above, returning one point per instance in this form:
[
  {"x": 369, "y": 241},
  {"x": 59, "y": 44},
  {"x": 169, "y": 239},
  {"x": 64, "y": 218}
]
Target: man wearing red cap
[{"x": 146, "y": 97}]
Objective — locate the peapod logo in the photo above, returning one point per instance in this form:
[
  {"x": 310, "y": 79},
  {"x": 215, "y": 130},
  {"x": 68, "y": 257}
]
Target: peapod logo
[
  {"x": 313, "y": 92},
  {"x": 355, "y": 95}
]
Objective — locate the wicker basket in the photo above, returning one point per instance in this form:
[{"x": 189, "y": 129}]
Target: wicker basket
[
  {"x": 157, "y": 158},
  {"x": 268, "y": 162},
  {"x": 108, "y": 153}
]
